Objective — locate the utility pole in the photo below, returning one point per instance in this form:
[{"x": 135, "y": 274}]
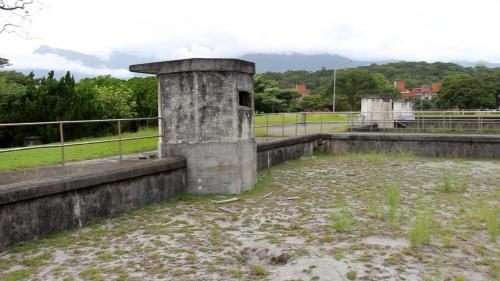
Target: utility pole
[
  {"x": 334, "y": 88},
  {"x": 335, "y": 82}
]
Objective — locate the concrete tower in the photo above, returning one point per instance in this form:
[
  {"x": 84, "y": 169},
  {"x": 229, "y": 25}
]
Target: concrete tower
[{"x": 207, "y": 116}]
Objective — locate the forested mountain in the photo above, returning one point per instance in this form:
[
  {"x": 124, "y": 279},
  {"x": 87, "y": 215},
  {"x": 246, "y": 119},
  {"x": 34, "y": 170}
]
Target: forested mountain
[
  {"x": 265, "y": 62},
  {"x": 415, "y": 74},
  {"x": 296, "y": 61}
]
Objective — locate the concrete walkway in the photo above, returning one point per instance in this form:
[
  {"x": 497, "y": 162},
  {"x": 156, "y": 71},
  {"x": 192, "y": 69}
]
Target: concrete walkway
[{"x": 80, "y": 168}]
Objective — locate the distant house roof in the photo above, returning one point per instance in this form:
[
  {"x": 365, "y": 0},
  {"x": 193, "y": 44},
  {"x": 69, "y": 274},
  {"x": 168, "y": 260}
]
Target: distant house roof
[{"x": 302, "y": 89}]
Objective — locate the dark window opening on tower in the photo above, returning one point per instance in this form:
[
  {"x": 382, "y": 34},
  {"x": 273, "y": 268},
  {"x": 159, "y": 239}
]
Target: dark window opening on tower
[{"x": 245, "y": 99}]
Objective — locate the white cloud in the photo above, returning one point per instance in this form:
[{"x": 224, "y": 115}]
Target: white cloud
[
  {"x": 362, "y": 29},
  {"x": 57, "y": 63}
]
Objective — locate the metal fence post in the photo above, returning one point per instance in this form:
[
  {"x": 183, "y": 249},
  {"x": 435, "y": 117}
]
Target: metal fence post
[
  {"x": 283, "y": 125},
  {"x": 450, "y": 123},
  {"x": 305, "y": 123},
  {"x": 417, "y": 116},
  {"x": 443, "y": 122},
  {"x": 395, "y": 122},
  {"x": 423, "y": 124},
  {"x": 481, "y": 122},
  {"x": 267, "y": 126},
  {"x": 120, "y": 139},
  {"x": 296, "y": 123},
  {"x": 61, "y": 134},
  {"x": 351, "y": 115},
  {"x": 321, "y": 122},
  {"x": 371, "y": 121},
  {"x": 383, "y": 122}
]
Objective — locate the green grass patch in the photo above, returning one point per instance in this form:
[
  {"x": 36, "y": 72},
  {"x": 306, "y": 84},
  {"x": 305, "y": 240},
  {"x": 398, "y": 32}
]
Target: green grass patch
[
  {"x": 352, "y": 275},
  {"x": 259, "y": 270},
  {"x": 342, "y": 220},
  {"x": 279, "y": 118},
  {"x": 393, "y": 198},
  {"x": 21, "y": 274},
  {"x": 48, "y": 156},
  {"x": 91, "y": 273},
  {"x": 421, "y": 230},
  {"x": 380, "y": 157},
  {"x": 491, "y": 219},
  {"x": 37, "y": 261},
  {"x": 450, "y": 184}
]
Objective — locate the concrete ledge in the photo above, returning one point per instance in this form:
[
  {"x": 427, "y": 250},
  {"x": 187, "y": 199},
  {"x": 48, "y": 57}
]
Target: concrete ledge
[
  {"x": 34, "y": 210},
  {"x": 50, "y": 186},
  {"x": 413, "y": 137},
  {"x": 433, "y": 145},
  {"x": 195, "y": 64},
  {"x": 289, "y": 141},
  {"x": 276, "y": 152}
]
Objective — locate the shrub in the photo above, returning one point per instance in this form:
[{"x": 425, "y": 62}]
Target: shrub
[
  {"x": 342, "y": 221},
  {"x": 393, "y": 194},
  {"x": 492, "y": 222},
  {"x": 420, "y": 232}
]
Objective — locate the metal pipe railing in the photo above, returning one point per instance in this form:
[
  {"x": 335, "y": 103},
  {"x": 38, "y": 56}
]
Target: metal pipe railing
[
  {"x": 482, "y": 122},
  {"x": 62, "y": 144},
  {"x": 467, "y": 121}
]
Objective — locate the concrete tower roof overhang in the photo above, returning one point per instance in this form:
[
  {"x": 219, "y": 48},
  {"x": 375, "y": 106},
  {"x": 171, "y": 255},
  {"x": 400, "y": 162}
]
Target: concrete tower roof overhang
[{"x": 194, "y": 64}]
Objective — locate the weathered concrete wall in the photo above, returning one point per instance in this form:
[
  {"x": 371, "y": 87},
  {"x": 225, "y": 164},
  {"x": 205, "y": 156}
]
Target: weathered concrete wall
[
  {"x": 464, "y": 146},
  {"x": 219, "y": 167},
  {"x": 376, "y": 110},
  {"x": 33, "y": 210},
  {"x": 403, "y": 110},
  {"x": 434, "y": 145},
  {"x": 276, "y": 152},
  {"x": 208, "y": 118},
  {"x": 202, "y": 107},
  {"x": 30, "y": 211}
]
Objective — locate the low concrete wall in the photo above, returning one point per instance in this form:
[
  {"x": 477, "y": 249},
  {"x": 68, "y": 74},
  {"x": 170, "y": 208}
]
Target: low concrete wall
[
  {"x": 436, "y": 145},
  {"x": 276, "y": 152},
  {"x": 36, "y": 209}
]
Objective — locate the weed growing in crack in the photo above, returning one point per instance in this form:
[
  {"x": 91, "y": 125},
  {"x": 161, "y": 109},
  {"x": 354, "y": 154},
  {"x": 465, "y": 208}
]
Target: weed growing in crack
[
  {"x": 342, "y": 220},
  {"x": 451, "y": 185},
  {"x": 351, "y": 275},
  {"x": 259, "y": 270},
  {"x": 374, "y": 210},
  {"x": 420, "y": 232},
  {"x": 490, "y": 216},
  {"x": 393, "y": 194}
]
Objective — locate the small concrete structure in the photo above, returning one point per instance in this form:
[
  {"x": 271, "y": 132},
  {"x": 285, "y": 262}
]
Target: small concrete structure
[
  {"x": 403, "y": 110},
  {"x": 377, "y": 110},
  {"x": 208, "y": 117}
]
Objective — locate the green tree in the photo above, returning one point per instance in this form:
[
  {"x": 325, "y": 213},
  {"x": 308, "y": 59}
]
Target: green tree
[
  {"x": 384, "y": 86},
  {"x": 146, "y": 96},
  {"x": 269, "y": 97},
  {"x": 352, "y": 85},
  {"x": 265, "y": 102},
  {"x": 466, "y": 92},
  {"x": 116, "y": 101},
  {"x": 494, "y": 80},
  {"x": 422, "y": 104},
  {"x": 316, "y": 103}
]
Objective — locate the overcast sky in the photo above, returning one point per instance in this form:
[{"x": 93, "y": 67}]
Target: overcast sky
[{"x": 430, "y": 30}]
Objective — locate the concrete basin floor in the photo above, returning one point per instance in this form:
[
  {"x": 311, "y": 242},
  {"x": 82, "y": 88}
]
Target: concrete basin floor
[{"x": 327, "y": 217}]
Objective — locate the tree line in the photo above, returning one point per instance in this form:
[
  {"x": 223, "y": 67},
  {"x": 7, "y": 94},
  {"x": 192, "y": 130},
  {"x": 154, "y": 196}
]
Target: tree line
[
  {"x": 463, "y": 87},
  {"x": 24, "y": 98}
]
